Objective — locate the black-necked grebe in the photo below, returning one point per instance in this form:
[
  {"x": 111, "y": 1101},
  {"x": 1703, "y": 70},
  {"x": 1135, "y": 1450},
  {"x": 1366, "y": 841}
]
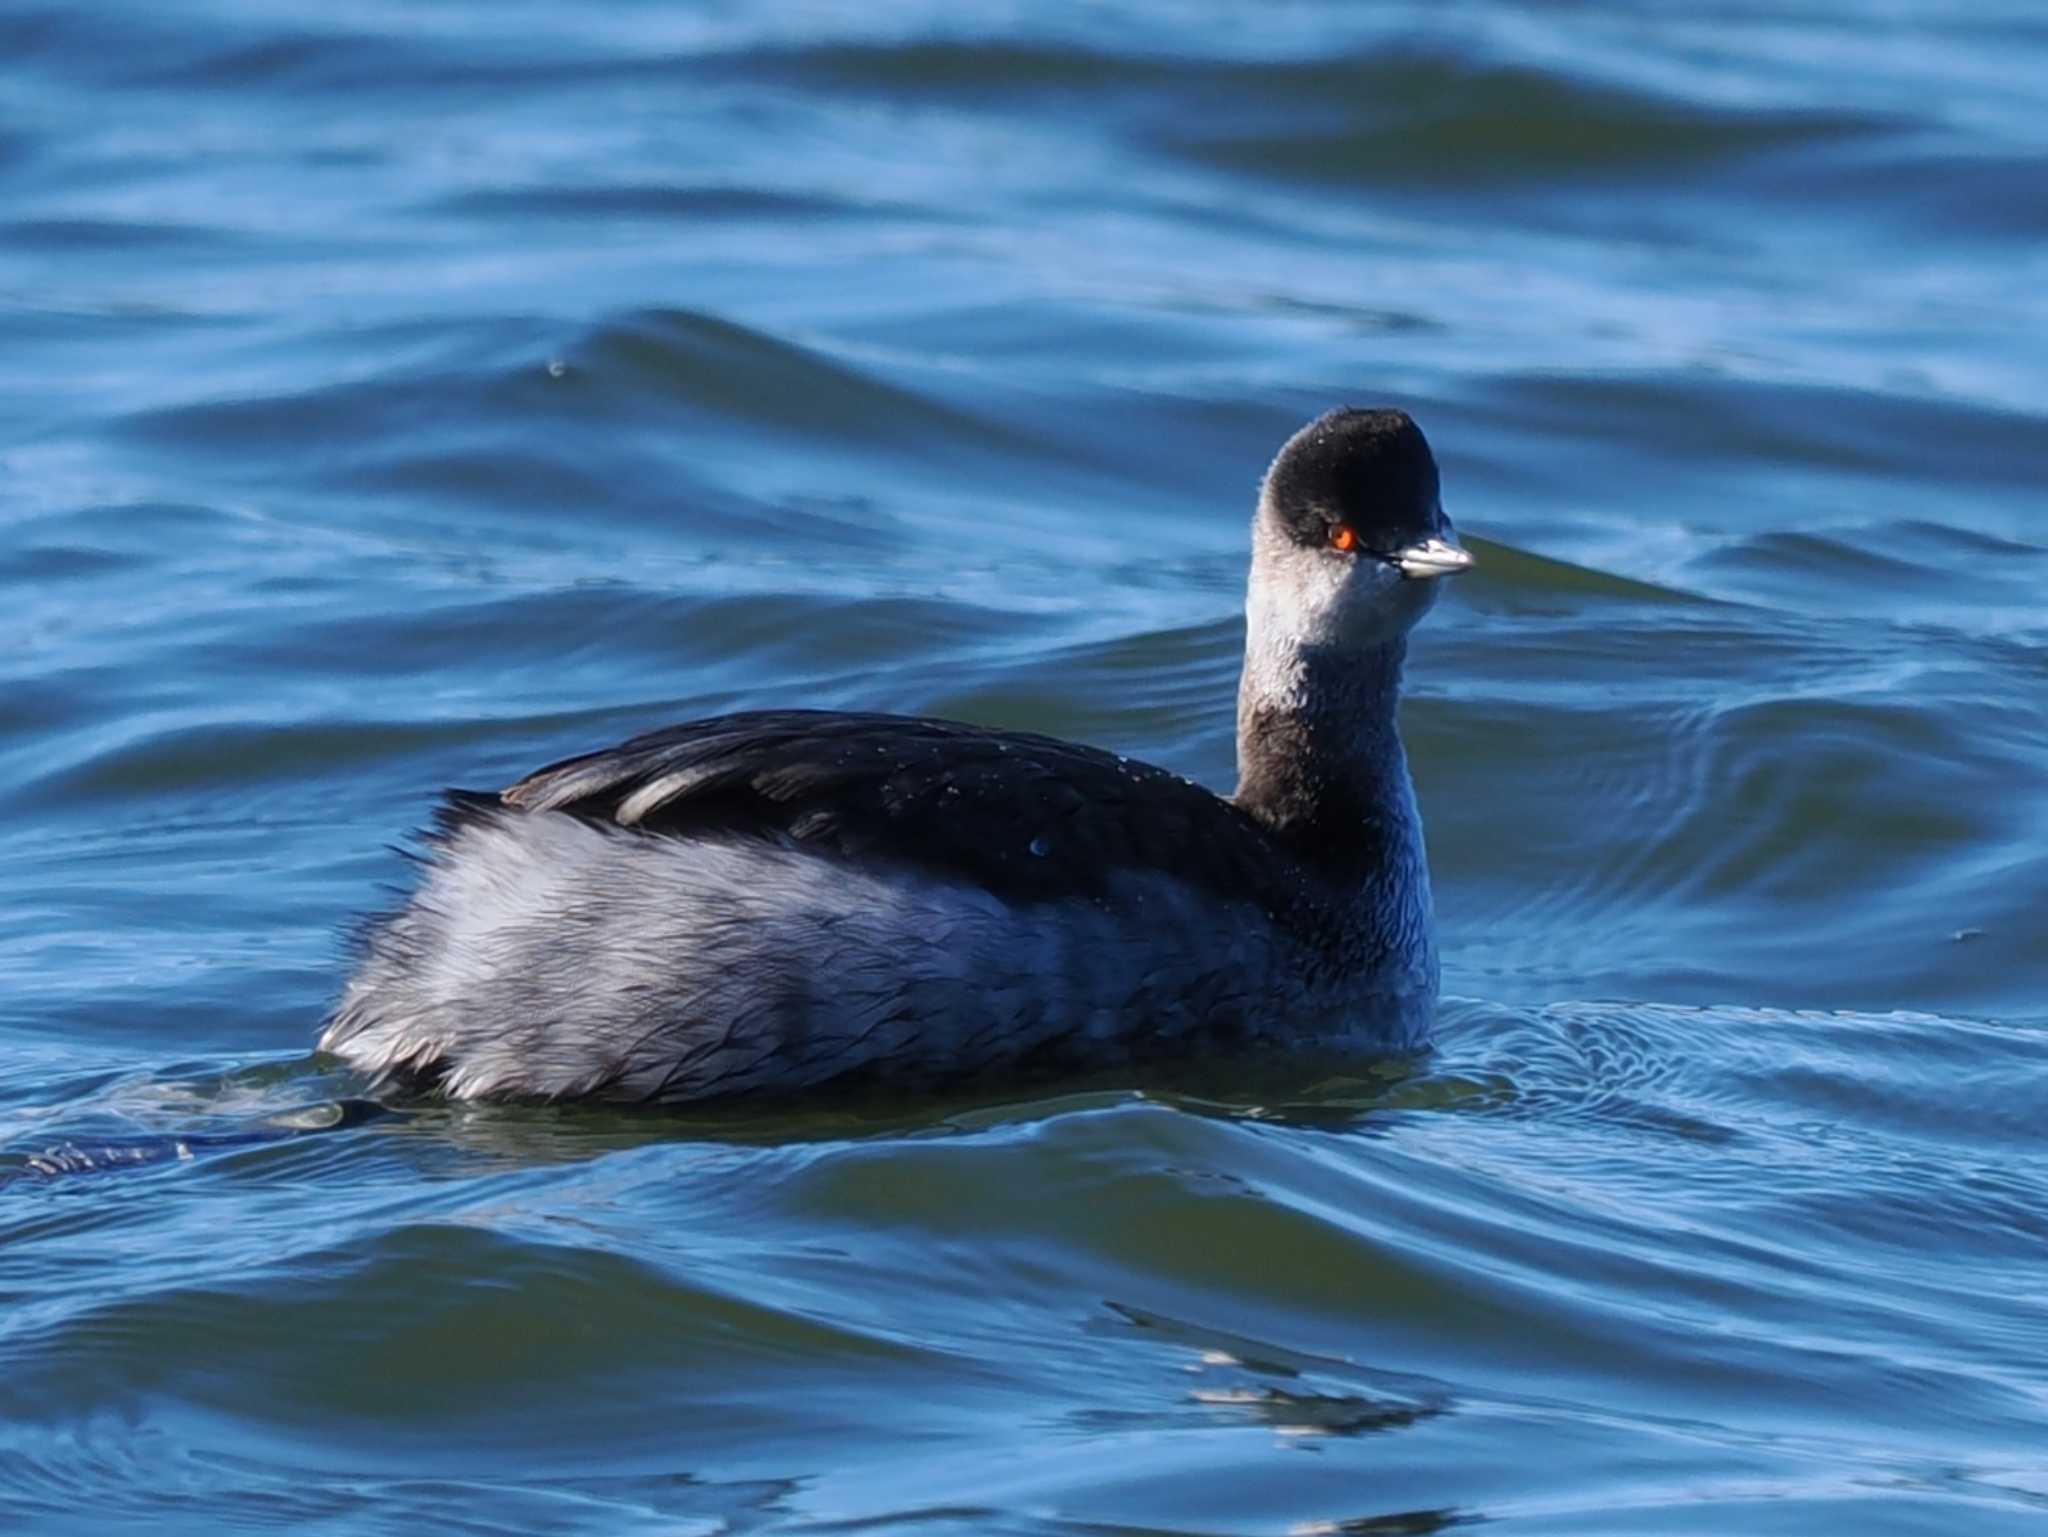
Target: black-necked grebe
[{"x": 768, "y": 902}]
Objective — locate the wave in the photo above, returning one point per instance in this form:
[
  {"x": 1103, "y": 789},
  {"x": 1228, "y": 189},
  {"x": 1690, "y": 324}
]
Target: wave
[
  {"x": 1569, "y": 1216},
  {"x": 1396, "y": 113}
]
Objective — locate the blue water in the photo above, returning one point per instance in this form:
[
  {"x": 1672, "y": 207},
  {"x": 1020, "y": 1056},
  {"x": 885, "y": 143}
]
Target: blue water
[{"x": 399, "y": 395}]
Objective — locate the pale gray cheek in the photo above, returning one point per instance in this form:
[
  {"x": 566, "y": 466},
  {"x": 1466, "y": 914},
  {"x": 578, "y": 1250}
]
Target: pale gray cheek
[
  {"x": 1297, "y": 595},
  {"x": 1304, "y": 597},
  {"x": 1379, "y": 605}
]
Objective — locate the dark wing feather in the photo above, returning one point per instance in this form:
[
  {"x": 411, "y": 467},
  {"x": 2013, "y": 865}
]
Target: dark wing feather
[{"x": 1028, "y": 817}]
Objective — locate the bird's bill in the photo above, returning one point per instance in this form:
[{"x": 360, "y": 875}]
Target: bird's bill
[{"x": 1433, "y": 557}]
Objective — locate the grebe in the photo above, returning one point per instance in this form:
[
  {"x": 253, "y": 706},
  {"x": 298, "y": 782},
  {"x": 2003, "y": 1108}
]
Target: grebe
[{"x": 765, "y": 903}]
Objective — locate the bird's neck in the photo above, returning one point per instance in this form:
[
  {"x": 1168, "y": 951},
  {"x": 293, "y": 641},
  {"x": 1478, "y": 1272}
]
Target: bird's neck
[{"x": 1319, "y": 757}]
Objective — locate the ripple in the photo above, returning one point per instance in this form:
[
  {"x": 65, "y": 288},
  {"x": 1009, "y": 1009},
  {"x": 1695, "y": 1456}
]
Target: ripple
[
  {"x": 1394, "y": 114},
  {"x": 705, "y": 360},
  {"x": 1733, "y": 421},
  {"x": 1520, "y": 580},
  {"x": 130, "y": 1473},
  {"x": 306, "y": 59},
  {"x": 480, "y": 1308},
  {"x": 654, "y": 200},
  {"x": 54, "y": 236},
  {"x": 498, "y": 417},
  {"x": 1449, "y": 120},
  {"x": 1959, "y": 576}
]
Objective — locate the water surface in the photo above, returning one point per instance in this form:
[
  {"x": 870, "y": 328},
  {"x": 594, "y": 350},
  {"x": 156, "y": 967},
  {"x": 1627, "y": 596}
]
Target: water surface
[{"x": 401, "y": 396}]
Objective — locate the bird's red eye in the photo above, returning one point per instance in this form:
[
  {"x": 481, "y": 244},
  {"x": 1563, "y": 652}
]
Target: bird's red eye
[{"x": 1342, "y": 538}]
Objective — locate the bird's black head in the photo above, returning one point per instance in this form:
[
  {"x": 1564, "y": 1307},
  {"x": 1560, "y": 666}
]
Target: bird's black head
[
  {"x": 1359, "y": 482},
  {"x": 1349, "y": 533}
]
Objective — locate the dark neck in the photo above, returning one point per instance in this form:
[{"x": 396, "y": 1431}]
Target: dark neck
[{"x": 1319, "y": 759}]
